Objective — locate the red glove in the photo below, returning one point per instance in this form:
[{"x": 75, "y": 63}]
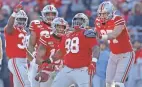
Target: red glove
[
  {"x": 42, "y": 77},
  {"x": 18, "y": 7},
  {"x": 92, "y": 68}
]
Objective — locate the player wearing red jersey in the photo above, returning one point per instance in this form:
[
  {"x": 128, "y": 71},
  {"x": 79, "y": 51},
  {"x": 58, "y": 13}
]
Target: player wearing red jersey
[
  {"x": 38, "y": 29},
  {"x": 15, "y": 46},
  {"x": 48, "y": 46},
  {"x": 76, "y": 50},
  {"x": 112, "y": 27}
]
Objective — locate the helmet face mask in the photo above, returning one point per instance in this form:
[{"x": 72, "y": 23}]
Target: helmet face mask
[
  {"x": 49, "y": 13},
  {"x": 49, "y": 16},
  {"x": 21, "y": 19},
  {"x": 80, "y": 20},
  {"x": 60, "y": 29},
  {"x": 103, "y": 16},
  {"x": 59, "y": 26}
]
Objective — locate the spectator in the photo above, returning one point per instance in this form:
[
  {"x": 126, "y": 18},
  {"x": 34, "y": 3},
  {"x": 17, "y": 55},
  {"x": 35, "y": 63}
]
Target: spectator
[
  {"x": 4, "y": 15},
  {"x": 99, "y": 77},
  {"x": 135, "y": 18},
  {"x": 4, "y": 73},
  {"x": 135, "y": 75},
  {"x": 77, "y": 6}
]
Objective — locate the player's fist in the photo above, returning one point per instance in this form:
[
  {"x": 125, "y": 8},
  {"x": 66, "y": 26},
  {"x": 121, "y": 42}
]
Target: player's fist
[
  {"x": 92, "y": 68},
  {"x": 18, "y": 7},
  {"x": 42, "y": 77}
]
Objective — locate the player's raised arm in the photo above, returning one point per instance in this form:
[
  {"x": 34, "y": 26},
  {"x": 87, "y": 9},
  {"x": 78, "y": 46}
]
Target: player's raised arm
[{"x": 9, "y": 27}]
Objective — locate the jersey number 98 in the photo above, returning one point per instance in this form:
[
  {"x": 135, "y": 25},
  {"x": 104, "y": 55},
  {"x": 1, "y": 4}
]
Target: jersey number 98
[{"x": 72, "y": 45}]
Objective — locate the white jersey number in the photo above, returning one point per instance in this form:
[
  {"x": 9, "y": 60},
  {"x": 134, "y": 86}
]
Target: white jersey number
[
  {"x": 25, "y": 40},
  {"x": 72, "y": 45},
  {"x": 45, "y": 33},
  {"x": 103, "y": 32}
]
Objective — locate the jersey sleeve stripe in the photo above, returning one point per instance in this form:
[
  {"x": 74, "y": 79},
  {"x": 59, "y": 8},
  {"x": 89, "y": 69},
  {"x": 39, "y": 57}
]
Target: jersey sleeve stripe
[
  {"x": 119, "y": 23},
  {"x": 42, "y": 41}
]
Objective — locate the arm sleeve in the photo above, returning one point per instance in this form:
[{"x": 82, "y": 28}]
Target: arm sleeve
[
  {"x": 43, "y": 40},
  {"x": 119, "y": 20},
  {"x": 34, "y": 25}
]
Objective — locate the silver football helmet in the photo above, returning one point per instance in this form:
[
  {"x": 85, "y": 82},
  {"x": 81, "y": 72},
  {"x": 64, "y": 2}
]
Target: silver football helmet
[
  {"x": 105, "y": 11},
  {"x": 80, "y": 20},
  {"x": 49, "y": 12},
  {"x": 21, "y": 19},
  {"x": 59, "y": 26}
]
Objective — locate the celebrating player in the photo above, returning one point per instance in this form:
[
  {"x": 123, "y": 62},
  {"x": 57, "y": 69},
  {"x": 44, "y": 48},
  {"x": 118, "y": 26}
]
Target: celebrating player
[
  {"x": 15, "y": 46},
  {"x": 79, "y": 54},
  {"x": 112, "y": 27},
  {"x": 38, "y": 29},
  {"x": 49, "y": 44}
]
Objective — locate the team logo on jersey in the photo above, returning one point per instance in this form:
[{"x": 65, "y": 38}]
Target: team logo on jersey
[
  {"x": 51, "y": 43},
  {"x": 39, "y": 26},
  {"x": 98, "y": 24}
]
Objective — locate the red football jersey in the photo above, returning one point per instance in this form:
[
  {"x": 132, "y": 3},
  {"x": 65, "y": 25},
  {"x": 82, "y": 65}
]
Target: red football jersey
[
  {"x": 77, "y": 49},
  {"x": 16, "y": 43},
  {"x": 40, "y": 28},
  {"x": 122, "y": 43},
  {"x": 51, "y": 43}
]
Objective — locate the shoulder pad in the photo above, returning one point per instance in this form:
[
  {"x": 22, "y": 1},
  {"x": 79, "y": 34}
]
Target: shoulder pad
[{"x": 90, "y": 33}]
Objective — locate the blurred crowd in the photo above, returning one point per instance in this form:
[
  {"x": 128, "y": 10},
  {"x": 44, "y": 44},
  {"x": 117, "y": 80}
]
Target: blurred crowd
[{"x": 131, "y": 10}]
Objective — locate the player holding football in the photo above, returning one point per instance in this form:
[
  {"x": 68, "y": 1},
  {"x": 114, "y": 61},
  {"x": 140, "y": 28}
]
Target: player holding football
[
  {"x": 79, "y": 54},
  {"x": 48, "y": 46},
  {"x": 112, "y": 27},
  {"x": 15, "y": 46},
  {"x": 38, "y": 29}
]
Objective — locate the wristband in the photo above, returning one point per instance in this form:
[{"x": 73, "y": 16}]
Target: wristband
[
  {"x": 104, "y": 37},
  {"x": 94, "y": 59},
  {"x": 14, "y": 14}
]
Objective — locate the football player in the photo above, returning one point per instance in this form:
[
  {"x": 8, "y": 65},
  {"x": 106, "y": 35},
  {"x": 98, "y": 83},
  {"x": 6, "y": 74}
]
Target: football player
[
  {"x": 48, "y": 46},
  {"x": 38, "y": 29},
  {"x": 113, "y": 28},
  {"x": 79, "y": 54},
  {"x": 15, "y": 46}
]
